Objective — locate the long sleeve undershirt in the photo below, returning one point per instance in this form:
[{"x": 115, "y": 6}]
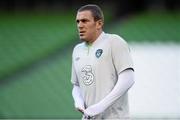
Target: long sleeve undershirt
[
  {"x": 125, "y": 81},
  {"x": 78, "y": 99}
]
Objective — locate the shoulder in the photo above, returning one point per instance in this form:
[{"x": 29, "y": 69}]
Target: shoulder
[
  {"x": 78, "y": 47},
  {"x": 116, "y": 40}
]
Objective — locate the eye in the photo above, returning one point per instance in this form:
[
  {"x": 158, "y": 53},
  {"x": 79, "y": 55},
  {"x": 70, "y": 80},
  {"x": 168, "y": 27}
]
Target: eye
[{"x": 84, "y": 20}]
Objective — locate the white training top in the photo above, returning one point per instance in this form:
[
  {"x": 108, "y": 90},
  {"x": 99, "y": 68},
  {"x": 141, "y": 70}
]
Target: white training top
[{"x": 95, "y": 69}]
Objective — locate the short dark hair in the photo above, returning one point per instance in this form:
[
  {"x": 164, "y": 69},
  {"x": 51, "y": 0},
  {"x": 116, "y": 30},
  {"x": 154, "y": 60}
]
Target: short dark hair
[{"x": 95, "y": 10}]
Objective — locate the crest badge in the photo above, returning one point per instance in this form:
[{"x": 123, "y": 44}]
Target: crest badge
[{"x": 99, "y": 53}]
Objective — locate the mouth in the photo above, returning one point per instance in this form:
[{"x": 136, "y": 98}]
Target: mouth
[{"x": 81, "y": 33}]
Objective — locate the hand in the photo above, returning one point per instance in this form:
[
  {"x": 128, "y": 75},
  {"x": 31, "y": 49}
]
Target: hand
[
  {"x": 88, "y": 114},
  {"x": 80, "y": 110},
  {"x": 85, "y": 115},
  {"x": 88, "y": 117},
  {"x": 93, "y": 110}
]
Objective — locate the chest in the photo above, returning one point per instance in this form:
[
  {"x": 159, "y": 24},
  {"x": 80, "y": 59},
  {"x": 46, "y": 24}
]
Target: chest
[{"x": 93, "y": 55}]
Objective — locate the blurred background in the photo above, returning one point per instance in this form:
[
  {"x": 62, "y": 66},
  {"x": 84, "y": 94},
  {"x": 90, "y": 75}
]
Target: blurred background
[{"x": 36, "y": 42}]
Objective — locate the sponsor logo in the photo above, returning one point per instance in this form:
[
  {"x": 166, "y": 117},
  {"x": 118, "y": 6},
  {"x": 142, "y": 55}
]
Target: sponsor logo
[{"x": 87, "y": 75}]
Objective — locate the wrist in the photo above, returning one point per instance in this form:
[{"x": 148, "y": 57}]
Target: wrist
[{"x": 79, "y": 106}]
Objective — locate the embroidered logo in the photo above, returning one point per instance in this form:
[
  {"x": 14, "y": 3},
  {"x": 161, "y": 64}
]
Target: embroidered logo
[
  {"x": 99, "y": 53},
  {"x": 77, "y": 58},
  {"x": 87, "y": 75}
]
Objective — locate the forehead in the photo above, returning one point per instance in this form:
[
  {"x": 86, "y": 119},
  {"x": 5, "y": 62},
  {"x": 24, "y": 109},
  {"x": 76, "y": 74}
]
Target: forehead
[{"x": 84, "y": 15}]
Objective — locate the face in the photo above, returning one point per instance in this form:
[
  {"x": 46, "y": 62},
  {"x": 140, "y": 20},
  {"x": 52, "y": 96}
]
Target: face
[{"x": 88, "y": 28}]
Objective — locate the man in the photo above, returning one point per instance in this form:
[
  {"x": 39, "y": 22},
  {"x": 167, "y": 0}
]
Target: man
[{"x": 102, "y": 70}]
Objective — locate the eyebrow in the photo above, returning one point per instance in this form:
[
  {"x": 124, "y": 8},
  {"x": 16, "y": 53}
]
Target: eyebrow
[{"x": 83, "y": 20}]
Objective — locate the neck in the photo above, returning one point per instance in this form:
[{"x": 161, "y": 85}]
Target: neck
[{"x": 95, "y": 38}]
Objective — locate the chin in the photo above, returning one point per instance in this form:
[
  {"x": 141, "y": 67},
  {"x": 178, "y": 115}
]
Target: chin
[{"x": 83, "y": 39}]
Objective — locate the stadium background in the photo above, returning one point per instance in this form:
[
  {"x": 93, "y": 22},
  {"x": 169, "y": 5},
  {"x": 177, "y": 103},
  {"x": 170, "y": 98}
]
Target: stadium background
[{"x": 37, "y": 39}]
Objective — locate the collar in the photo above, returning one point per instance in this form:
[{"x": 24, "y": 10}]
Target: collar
[{"x": 97, "y": 41}]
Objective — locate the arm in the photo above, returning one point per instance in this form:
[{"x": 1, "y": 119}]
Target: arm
[
  {"x": 76, "y": 91},
  {"x": 78, "y": 100},
  {"x": 125, "y": 81}
]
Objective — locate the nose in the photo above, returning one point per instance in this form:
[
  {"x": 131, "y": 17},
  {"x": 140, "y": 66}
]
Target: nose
[{"x": 80, "y": 25}]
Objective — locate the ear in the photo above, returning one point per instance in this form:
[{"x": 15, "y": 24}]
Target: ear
[{"x": 99, "y": 24}]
